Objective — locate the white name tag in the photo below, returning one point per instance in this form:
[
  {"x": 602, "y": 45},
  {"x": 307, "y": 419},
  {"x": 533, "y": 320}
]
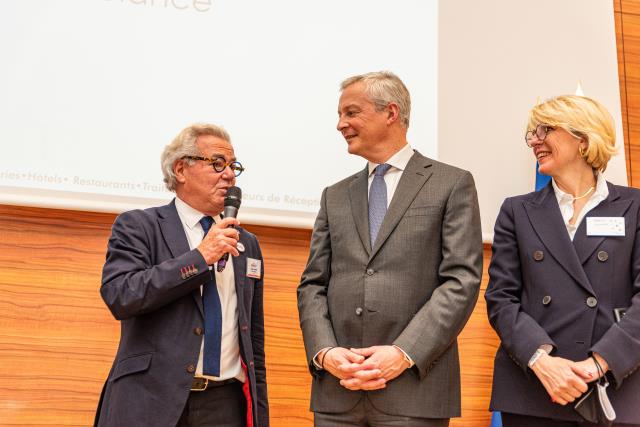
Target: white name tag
[
  {"x": 254, "y": 268},
  {"x": 605, "y": 226}
]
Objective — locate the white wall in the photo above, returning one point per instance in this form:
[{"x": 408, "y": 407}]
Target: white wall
[{"x": 496, "y": 58}]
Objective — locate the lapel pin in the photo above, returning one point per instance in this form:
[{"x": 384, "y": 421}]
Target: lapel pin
[{"x": 240, "y": 247}]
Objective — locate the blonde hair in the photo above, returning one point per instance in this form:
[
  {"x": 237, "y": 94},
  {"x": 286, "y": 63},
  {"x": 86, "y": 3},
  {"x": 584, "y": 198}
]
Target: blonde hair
[
  {"x": 383, "y": 88},
  {"x": 185, "y": 145},
  {"x": 584, "y": 118}
]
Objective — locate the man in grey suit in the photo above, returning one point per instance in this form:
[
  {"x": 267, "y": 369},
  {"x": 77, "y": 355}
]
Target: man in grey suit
[{"x": 393, "y": 272}]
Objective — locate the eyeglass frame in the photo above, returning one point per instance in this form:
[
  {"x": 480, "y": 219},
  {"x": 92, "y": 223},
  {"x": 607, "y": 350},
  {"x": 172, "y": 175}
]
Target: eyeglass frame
[
  {"x": 546, "y": 128},
  {"x": 234, "y": 166},
  {"x": 575, "y": 133}
]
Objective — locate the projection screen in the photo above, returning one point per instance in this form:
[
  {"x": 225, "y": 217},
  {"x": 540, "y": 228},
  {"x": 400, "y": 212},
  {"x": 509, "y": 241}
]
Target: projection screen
[{"x": 92, "y": 90}]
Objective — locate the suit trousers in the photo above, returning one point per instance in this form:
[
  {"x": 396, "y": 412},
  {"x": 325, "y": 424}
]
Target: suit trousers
[
  {"x": 515, "y": 420},
  {"x": 222, "y": 406},
  {"x": 367, "y": 415}
]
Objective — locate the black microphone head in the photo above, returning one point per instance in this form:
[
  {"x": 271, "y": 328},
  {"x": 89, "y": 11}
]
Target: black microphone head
[{"x": 233, "y": 197}]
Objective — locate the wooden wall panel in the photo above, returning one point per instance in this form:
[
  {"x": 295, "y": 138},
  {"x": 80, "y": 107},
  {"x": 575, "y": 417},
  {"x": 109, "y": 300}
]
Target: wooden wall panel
[
  {"x": 628, "y": 30},
  {"x": 623, "y": 89},
  {"x": 628, "y": 6},
  {"x": 57, "y": 339}
]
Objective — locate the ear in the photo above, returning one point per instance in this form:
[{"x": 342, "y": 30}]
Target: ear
[
  {"x": 178, "y": 170},
  {"x": 394, "y": 113},
  {"x": 584, "y": 142}
]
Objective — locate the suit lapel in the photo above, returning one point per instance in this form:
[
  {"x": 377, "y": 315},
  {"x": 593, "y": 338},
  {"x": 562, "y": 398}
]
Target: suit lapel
[
  {"x": 612, "y": 206},
  {"x": 546, "y": 220},
  {"x": 239, "y": 273},
  {"x": 413, "y": 178},
  {"x": 176, "y": 240},
  {"x": 173, "y": 230},
  {"x": 359, "y": 199}
]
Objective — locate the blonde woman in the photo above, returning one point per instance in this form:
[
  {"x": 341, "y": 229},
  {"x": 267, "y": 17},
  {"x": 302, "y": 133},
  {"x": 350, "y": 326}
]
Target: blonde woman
[{"x": 564, "y": 286}]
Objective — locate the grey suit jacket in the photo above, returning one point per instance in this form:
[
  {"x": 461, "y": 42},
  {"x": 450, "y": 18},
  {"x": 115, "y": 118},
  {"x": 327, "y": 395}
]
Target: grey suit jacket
[
  {"x": 415, "y": 288},
  {"x": 151, "y": 283},
  {"x": 545, "y": 289}
]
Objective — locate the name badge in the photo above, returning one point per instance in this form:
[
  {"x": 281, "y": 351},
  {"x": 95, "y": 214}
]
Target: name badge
[
  {"x": 605, "y": 226},
  {"x": 254, "y": 268}
]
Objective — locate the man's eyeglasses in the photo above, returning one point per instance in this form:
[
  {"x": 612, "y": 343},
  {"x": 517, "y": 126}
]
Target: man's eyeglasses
[
  {"x": 539, "y": 133},
  {"x": 219, "y": 164}
]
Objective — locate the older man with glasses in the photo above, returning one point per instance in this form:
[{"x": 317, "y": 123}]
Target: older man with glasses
[{"x": 191, "y": 350}]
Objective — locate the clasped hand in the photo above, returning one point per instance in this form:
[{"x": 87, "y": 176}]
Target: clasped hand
[
  {"x": 566, "y": 380},
  {"x": 220, "y": 239},
  {"x": 368, "y": 368}
]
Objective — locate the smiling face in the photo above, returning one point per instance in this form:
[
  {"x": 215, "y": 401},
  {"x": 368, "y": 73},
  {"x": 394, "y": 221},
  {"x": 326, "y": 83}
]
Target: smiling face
[
  {"x": 364, "y": 128},
  {"x": 198, "y": 184},
  {"x": 558, "y": 153}
]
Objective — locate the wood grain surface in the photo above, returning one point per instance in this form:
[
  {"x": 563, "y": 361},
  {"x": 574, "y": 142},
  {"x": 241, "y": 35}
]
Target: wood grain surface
[{"x": 57, "y": 339}]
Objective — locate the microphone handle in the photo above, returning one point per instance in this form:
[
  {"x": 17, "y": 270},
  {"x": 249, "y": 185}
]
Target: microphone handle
[{"x": 229, "y": 212}]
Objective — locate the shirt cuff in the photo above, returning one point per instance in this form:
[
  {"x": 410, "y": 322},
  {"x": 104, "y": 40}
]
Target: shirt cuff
[
  {"x": 406, "y": 356},
  {"x": 315, "y": 360}
]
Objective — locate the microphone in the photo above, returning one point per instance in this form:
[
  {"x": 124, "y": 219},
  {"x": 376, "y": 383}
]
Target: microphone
[{"x": 231, "y": 206}]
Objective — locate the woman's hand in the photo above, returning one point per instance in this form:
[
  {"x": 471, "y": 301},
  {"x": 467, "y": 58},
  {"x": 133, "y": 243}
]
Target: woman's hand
[
  {"x": 559, "y": 378},
  {"x": 587, "y": 368}
]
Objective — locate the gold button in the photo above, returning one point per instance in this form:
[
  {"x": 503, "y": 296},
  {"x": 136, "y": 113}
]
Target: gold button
[{"x": 603, "y": 256}]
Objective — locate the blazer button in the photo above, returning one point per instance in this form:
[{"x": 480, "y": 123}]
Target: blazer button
[
  {"x": 197, "y": 331},
  {"x": 603, "y": 256},
  {"x": 243, "y": 328},
  {"x": 359, "y": 311},
  {"x": 592, "y": 302},
  {"x": 191, "y": 369},
  {"x": 546, "y": 300},
  {"x": 538, "y": 255},
  {"x": 250, "y": 363},
  {"x": 370, "y": 271}
]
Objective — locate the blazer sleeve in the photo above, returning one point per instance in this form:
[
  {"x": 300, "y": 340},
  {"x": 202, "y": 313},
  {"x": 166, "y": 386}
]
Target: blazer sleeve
[
  {"x": 519, "y": 333},
  {"x": 620, "y": 345},
  {"x": 313, "y": 309},
  {"x": 132, "y": 284},
  {"x": 439, "y": 321}
]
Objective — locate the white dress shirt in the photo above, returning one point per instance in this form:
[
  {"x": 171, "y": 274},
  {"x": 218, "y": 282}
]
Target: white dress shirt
[
  {"x": 398, "y": 163},
  {"x": 565, "y": 202},
  {"x": 230, "y": 366}
]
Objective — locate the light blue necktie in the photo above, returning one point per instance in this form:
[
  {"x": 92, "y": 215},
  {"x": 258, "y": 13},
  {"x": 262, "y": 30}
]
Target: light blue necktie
[
  {"x": 377, "y": 201},
  {"x": 212, "y": 319}
]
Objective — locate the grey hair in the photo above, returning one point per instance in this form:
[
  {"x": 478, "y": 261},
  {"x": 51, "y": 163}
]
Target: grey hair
[
  {"x": 185, "y": 145},
  {"x": 384, "y": 87}
]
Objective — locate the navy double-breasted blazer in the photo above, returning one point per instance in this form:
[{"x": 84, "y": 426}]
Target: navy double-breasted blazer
[
  {"x": 544, "y": 288},
  {"x": 151, "y": 283}
]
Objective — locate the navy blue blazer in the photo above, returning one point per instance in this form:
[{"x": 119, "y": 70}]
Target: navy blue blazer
[
  {"x": 151, "y": 283},
  {"x": 544, "y": 288}
]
